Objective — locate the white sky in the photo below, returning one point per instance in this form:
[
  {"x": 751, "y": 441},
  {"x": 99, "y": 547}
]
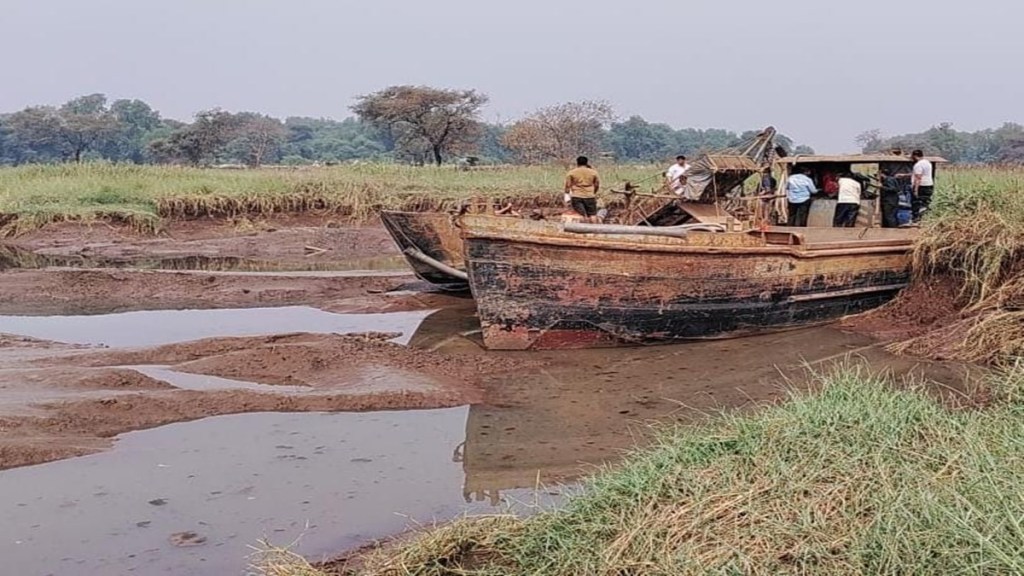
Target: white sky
[{"x": 820, "y": 71}]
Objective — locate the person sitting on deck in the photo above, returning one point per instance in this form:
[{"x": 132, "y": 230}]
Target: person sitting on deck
[
  {"x": 848, "y": 202},
  {"x": 676, "y": 175},
  {"x": 582, "y": 185},
  {"x": 799, "y": 188}
]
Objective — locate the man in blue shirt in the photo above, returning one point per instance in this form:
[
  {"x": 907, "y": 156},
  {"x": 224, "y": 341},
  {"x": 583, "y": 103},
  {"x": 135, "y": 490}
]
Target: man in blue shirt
[{"x": 799, "y": 188}]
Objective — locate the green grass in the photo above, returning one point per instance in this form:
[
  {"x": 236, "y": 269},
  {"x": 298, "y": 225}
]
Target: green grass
[
  {"x": 35, "y": 195},
  {"x": 858, "y": 477}
]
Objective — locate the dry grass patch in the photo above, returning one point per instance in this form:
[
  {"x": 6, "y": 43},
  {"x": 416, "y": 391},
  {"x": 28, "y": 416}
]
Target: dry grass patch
[{"x": 975, "y": 235}]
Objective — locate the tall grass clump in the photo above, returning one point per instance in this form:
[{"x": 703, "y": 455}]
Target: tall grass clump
[
  {"x": 857, "y": 477},
  {"x": 974, "y": 236}
]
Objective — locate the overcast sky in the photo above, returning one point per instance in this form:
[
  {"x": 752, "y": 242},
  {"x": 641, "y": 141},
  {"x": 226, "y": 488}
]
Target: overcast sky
[{"x": 820, "y": 71}]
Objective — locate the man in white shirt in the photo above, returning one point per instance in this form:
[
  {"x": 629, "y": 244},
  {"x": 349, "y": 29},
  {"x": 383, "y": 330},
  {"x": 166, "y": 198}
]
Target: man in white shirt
[
  {"x": 923, "y": 183},
  {"x": 676, "y": 174},
  {"x": 848, "y": 202}
]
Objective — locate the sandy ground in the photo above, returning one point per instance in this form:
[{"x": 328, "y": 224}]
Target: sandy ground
[{"x": 58, "y": 400}]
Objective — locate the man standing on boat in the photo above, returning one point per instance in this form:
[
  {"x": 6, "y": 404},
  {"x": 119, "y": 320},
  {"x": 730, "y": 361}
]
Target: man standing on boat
[
  {"x": 889, "y": 190},
  {"x": 582, "y": 185},
  {"x": 923, "y": 183},
  {"x": 799, "y": 188},
  {"x": 848, "y": 201},
  {"x": 676, "y": 174}
]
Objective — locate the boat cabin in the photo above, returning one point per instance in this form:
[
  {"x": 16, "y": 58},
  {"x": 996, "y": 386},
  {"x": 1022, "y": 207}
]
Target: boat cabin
[{"x": 825, "y": 171}]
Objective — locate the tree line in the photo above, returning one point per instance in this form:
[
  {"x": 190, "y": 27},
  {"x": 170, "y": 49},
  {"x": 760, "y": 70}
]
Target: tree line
[
  {"x": 1003, "y": 145},
  {"x": 412, "y": 124}
]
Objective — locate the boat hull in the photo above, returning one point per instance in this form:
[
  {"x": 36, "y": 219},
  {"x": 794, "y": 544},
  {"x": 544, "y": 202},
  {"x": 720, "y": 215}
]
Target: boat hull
[
  {"x": 539, "y": 288},
  {"x": 434, "y": 235}
]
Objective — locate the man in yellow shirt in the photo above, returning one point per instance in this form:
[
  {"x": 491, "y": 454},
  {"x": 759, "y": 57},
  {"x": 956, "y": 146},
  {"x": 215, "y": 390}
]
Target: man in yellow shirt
[{"x": 582, "y": 185}]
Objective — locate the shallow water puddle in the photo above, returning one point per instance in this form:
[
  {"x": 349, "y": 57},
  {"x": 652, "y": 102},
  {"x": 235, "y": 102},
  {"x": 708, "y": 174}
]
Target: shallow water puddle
[
  {"x": 204, "y": 382},
  {"x": 337, "y": 480},
  {"x": 158, "y": 327}
]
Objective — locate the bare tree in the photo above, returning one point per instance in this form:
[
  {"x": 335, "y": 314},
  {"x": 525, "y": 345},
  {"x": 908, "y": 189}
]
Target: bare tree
[
  {"x": 558, "y": 133},
  {"x": 258, "y": 136},
  {"x": 424, "y": 119},
  {"x": 870, "y": 140}
]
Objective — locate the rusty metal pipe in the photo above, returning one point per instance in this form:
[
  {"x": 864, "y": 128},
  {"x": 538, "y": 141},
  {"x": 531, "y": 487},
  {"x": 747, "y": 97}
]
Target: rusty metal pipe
[
  {"x": 436, "y": 264},
  {"x": 672, "y": 231}
]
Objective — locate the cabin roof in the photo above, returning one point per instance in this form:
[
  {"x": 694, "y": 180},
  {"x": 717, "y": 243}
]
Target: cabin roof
[
  {"x": 854, "y": 159},
  {"x": 731, "y": 162}
]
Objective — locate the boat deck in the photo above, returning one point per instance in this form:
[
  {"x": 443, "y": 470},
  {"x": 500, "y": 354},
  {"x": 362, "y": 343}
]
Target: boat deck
[{"x": 814, "y": 238}]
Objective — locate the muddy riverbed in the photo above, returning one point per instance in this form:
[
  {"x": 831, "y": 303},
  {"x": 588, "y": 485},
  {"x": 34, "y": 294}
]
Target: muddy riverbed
[{"x": 162, "y": 421}]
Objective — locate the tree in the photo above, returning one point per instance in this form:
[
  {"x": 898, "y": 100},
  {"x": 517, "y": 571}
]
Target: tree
[
  {"x": 870, "y": 141},
  {"x": 946, "y": 141},
  {"x": 558, "y": 133},
  {"x": 136, "y": 121},
  {"x": 638, "y": 140},
  {"x": 326, "y": 140},
  {"x": 84, "y": 123},
  {"x": 423, "y": 119},
  {"x": 36, "y": 129},
  {"x": 257, "y": 138},
  {"x": 491, "y": 148},
  {"x": 199, "y": 142},
  {"x": 67, "y": 132}
]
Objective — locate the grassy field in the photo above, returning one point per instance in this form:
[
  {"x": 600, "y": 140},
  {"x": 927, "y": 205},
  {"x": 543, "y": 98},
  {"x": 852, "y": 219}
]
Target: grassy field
[
  {"x": 857, "y": 477},
  {"x": 144, "y": 195}
]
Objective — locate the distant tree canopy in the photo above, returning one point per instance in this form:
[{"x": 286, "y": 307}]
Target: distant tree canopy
[
  {"x": 416, "y": 124},
  {"x": 1003, "y": 145}
]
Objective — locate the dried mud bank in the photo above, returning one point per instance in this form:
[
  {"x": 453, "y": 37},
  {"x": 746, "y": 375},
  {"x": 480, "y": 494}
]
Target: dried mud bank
[
  {"x": 282, "y": 239},
  {"x": 920, "y": 308}
]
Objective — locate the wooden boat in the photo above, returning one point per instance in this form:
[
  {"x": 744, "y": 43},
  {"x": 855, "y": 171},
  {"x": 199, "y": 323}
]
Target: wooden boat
[
  {"x": 543, "y": 285},
  {"x": 431, "y": 245}
]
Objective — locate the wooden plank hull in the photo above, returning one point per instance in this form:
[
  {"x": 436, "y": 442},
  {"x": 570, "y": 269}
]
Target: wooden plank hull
[
  {"x": 433, "y": 234},
  {"x": 537, "y": 287}
]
